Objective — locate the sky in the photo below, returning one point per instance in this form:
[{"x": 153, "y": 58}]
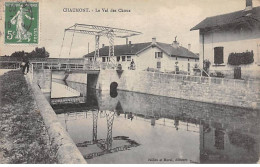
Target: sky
[{"x": 162, "y": 19}]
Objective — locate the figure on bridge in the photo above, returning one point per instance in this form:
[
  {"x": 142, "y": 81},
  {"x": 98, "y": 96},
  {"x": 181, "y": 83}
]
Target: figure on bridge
[{"x": 132, "y": 65}]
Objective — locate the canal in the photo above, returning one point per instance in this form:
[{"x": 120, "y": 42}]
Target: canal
[{"x": 128, "y": 127}]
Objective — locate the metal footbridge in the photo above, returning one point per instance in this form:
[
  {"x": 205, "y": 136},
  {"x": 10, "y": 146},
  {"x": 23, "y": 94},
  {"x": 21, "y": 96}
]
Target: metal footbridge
[{"x": 76, "y": 64}]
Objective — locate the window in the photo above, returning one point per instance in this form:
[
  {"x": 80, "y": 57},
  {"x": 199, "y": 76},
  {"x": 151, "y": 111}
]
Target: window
[
  {"x": 108, "y": 59},
  {"x": 123, "y": 58},
  {"x": 118, "y": 58},
  {"x": 158, "y": 55},
  {"x": 188, "y": 67},
  {"x": 103, "y": 59},
  {"x": 219, "y": 139},
  {"x": 158, "y": 64},
  {"x": 128, "y": 58},
  {"x": 218, "y": 55}
]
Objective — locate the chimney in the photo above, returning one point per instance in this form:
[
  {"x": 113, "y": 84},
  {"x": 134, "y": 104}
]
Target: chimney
[
  {"x": 175, "y": 44},
  {"x": 103, "y": 45},
  {"x": 249, "y": 5},
  {"x": 126, "y": 41},
  {"x": 153, "y": 40},
  {"x": 189, "y": 46}
]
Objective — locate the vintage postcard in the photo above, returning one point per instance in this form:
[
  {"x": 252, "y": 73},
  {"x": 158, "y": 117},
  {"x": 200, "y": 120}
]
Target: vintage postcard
[{"x": 130, "y": 82}]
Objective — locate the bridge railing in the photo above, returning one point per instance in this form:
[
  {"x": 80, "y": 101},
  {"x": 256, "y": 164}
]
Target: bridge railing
[
  {"x": 92, "y": 65},
  {"x": 59, "y": 64},
  {"x": 95, "y": 65}
]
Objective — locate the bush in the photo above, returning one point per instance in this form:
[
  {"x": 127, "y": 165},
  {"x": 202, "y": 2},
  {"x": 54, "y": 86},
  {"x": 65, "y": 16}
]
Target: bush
[{"x": 241, "y": 58}]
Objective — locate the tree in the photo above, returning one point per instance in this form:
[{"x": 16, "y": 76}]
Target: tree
[
  {"x": 36, "y": 53},
  {"x": 18, "y": 55}
]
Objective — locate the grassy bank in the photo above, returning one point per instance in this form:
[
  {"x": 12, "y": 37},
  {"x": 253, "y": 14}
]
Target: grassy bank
[{"x": 23, "y": 137}]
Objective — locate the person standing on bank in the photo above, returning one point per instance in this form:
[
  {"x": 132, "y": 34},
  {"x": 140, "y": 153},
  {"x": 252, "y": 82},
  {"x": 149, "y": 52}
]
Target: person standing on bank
[{"x": 25, "y": 64}]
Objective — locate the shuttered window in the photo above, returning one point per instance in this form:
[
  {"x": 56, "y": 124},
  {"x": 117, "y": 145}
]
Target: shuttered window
[
  {"x": 158, "y": 55},
  {"x": 219, "y": 139},
  {"x": 218, "y": 55},
  {"x": 158, "y": 64},
  {"x": 123, "y": 58}
]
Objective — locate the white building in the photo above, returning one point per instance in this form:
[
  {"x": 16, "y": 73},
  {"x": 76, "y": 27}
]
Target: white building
[
  {"x": 231, "y": 36},
  {"x": 153, "y": 55}
]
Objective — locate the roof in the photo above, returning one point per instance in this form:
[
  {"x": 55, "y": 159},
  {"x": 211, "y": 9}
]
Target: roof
[
  {"x": 130, "y": 49},
  {"x": 179, "y": 51},
  {"x": 230, "y": 18},
  {"x": 134, "y": 49}
]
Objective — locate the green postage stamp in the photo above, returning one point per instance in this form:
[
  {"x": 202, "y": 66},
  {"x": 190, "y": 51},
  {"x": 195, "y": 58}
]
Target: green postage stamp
[{"x": 21, "y": 22}]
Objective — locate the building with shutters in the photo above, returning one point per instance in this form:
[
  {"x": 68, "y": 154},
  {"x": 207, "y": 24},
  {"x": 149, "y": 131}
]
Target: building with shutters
[
  {"x": 231, "y": 42},
  {"x": 153, "y": 55}
]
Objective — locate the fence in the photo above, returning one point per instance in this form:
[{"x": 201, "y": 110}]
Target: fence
[{"x": 209, "y": 80}]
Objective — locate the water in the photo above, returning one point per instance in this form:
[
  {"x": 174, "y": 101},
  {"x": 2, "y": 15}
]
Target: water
[{"x": 141, "y": 128}]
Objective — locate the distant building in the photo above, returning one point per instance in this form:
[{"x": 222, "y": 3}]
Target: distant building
[
  {"x": 232, "y": 40},
  {"x": 153, "y": 55}
]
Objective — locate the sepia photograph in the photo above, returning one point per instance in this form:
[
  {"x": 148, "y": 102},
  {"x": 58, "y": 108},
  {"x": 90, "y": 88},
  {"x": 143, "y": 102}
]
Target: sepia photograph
[{"x": 129, "y": 82}]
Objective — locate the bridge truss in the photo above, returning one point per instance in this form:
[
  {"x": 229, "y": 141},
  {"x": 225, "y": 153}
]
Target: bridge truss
[
  {"x": 99, "y": 31},
  {"x": 106, "y": 144}
]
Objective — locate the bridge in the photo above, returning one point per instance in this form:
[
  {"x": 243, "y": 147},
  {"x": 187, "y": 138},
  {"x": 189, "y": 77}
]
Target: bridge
[
  {"x": 69, "y": 64},
  {"x": 77, "y": 63}
]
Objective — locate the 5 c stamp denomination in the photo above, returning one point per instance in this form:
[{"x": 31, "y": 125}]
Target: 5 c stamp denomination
[{"x": 21, "y": 22}]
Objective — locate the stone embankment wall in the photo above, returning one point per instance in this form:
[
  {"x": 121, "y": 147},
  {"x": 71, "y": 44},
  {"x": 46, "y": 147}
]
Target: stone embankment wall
[
  {"x": 231, "y": 92},
  {"x": 239, "y": 93},
  {"x": 67, "y": 151},
  {"x": 43, "y": 79}
]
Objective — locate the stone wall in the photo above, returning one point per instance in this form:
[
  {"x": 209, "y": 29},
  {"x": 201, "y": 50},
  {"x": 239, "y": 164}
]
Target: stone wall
[
  {"x": 67, "y": 151},
  {"x": 77, "y": 77},
  {"x": 43, "y": 79},
  {"x": 240, "y": 93},
  {"x": 231, "y": 92}
]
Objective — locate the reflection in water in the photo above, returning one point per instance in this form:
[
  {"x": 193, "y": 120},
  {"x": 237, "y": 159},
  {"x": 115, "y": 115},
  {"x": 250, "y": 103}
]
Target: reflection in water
[
  {"x": 105, "y": 145},
  {"x": 166, "y": 129}
]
